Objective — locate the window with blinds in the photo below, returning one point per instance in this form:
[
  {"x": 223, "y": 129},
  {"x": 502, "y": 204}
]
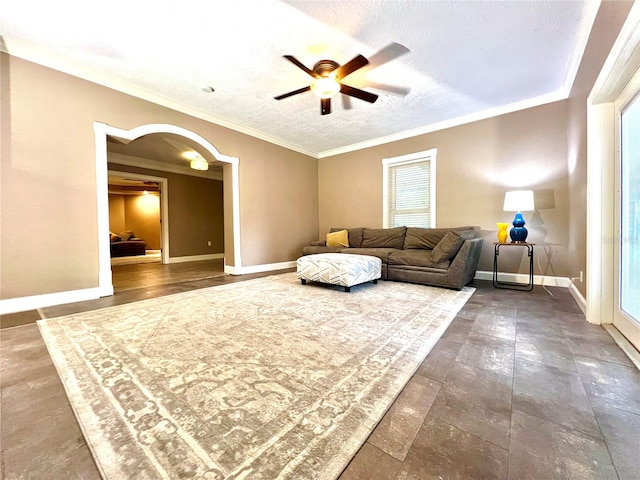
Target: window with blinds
[{"x": 409, "y": 190}]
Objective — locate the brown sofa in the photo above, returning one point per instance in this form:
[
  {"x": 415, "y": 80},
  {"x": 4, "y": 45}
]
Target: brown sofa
[
  {"x": 443, "y": 257},
  {"x": 126, "y": 244}
]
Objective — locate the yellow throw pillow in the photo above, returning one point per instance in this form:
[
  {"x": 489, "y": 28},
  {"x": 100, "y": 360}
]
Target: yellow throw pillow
[{"x": 338, "y": 239}]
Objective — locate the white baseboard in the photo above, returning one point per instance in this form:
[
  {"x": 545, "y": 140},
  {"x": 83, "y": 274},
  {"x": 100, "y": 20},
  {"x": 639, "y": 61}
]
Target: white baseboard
[
  {"x": 258, "y": 268},
  {"x": 23, "y": 304},
  {"x": 545, "y": 280},
  {"x": 578, "y": 297},
  {"x": 196, "y": 258}
]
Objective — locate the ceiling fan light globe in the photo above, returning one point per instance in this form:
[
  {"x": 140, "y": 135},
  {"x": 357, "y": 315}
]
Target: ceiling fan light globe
[{"x": 325, "y": 87}]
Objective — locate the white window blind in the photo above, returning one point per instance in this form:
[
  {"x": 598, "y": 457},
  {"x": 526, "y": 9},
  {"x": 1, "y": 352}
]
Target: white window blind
[{"x": 409, "y": 190}]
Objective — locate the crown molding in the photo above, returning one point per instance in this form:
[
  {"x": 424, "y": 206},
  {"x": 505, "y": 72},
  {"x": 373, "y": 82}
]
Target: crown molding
[
  {"x": 591, "y": 12},
  {"x": 99, "y": 78},
  {"x": 454, "y": 122},
  {"x": 615, "y": 72}
]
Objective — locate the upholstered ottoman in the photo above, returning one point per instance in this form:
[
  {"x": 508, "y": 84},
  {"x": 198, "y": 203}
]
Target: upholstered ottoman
[{"x": 342, "y": 269}]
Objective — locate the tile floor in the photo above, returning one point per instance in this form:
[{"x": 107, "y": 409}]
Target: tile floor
[{"x": 518, "y": 387}]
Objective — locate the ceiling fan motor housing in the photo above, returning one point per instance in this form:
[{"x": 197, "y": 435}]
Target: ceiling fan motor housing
[{"x": 325, "y": 67}]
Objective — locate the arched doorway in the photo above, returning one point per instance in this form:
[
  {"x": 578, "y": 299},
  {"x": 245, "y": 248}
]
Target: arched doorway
[{"x": 232, "y": 223}]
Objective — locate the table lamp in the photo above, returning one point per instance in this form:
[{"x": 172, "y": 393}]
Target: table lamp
[{"x": 518, "y": 201}]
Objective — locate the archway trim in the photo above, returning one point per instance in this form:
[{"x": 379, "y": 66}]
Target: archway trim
[{"x": 102, "y": 130}]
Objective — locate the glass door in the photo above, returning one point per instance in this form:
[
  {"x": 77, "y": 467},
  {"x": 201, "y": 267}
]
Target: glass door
[{"x": 627, "y": 312}]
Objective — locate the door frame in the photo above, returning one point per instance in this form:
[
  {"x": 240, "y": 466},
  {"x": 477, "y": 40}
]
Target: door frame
[
  {"x": 621, "y": 64},
  {"x": 164, "y": 208},
  {"x": 626, "y": 324},
  {"x": 101, "y": 131}
]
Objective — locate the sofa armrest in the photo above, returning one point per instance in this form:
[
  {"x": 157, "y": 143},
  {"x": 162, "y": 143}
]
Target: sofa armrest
[
  {"x": 463, "y": 267},
  {"x": 319, "y": 243}
]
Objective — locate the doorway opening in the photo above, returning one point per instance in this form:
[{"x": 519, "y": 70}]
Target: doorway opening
[
  {"x": 103, "y": 132},
  {"x": 138, "y": 223}
]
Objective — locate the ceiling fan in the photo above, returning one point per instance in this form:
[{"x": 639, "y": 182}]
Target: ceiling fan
[{"x": 327, "y": 81}]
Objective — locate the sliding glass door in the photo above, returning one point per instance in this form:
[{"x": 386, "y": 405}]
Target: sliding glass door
[{"x": 627, "y": 314}]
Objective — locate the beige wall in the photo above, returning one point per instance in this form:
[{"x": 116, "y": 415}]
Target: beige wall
[
  {"x": 140, "y": 213},
  {"x": 48, "y": 180},
  {"x": 277, "y": 202},
  {"x": 542, "y": 148},
  {"x": 196, "y": 216},
  {"x": 116, "y": 213},
  {"x": 476, "y": 164},
  {"x": 142, "y": 216}
]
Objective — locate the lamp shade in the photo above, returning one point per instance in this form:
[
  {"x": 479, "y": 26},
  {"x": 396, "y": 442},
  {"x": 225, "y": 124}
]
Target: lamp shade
[{"x": 518, "y": 201}]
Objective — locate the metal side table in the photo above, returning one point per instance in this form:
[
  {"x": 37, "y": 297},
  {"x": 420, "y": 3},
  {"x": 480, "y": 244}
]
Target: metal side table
[{"x": 512, "y": 285}]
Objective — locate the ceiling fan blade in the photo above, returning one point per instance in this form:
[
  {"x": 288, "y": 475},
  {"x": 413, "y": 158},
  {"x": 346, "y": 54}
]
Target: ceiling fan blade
[
  {"x": 325, "y": 106},
  {"x": 356, "y": 92},
  {"x": 351, "y": 66},
  {"x": 386, "y": 54},
  {"x": 295, "y": 92},
  {"x": 301, "y": 66}
]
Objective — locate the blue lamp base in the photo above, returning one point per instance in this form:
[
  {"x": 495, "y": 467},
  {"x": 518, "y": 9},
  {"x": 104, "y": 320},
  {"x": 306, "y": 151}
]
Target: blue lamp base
[{"x": 518, "y": 233}]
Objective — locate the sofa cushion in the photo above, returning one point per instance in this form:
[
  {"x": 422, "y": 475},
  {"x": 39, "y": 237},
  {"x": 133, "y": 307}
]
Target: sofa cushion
[
  {"x": 447, "y": 248},
  {"x": 338, "y": 239},
  {"x": 381, "y": 253},
  {"x": 383, "y": 237},
  {"x": 424, "y": 237},
  {"x": 355, "y": 235},
  {"x": 126, "y": 236},
  {"x": 416, "y": 258}
]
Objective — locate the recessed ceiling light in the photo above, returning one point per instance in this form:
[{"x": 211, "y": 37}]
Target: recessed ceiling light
[{"x": 208, "y": 89}]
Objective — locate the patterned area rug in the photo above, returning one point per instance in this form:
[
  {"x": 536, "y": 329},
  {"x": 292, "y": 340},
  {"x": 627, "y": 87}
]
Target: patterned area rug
[{"x": 261, "y": 379}]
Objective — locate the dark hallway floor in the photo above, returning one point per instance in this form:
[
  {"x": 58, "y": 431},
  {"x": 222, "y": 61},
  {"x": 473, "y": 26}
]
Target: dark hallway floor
[{"x": 519, "y": 386}]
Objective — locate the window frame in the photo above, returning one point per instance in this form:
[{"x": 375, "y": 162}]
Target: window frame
[{"x": 417, "y": 157}]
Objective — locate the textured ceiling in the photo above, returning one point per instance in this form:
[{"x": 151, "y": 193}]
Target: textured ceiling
[{"x": 466, "y": 59}]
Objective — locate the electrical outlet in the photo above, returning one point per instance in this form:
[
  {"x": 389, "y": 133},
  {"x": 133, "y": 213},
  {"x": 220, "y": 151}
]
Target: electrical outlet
[
  {"x": 209, "y": 244},
  {"x": 581, "y": 276}
]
